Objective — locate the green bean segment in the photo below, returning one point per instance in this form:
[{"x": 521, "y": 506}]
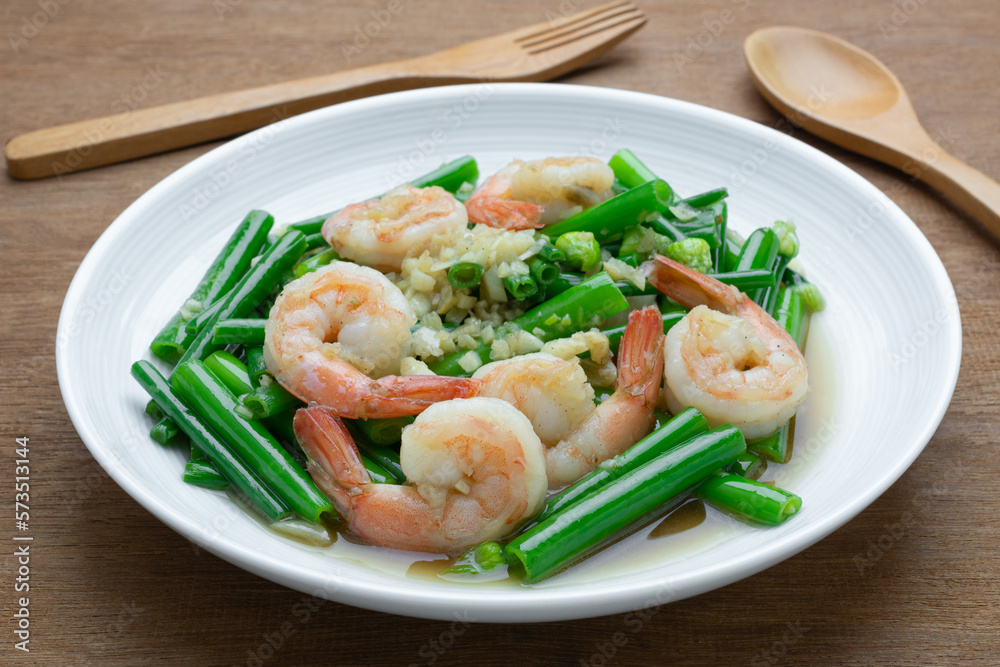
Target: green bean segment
[
  {"x": 465, "y": 275},
  {"x": 313, "y": 262},
  {"x": 561, "y": 539},
  {"x": 611, "y": 218},
  {"x": 748, "y": 499},
  {"x": 226, "y": 270},
  {"x": 204, "y": 474},
  {"x": 681, "y": 428},
  {"x": 385, "y": 432},
  {"x": 249, "y": 439},
  {"x": 240, "y": 331},
  {"x": 228, "y": 463},
  {"x": 520, "y": 287},
  {"x": 254, "y": 287},
  {"x": 629, "y": 170}
]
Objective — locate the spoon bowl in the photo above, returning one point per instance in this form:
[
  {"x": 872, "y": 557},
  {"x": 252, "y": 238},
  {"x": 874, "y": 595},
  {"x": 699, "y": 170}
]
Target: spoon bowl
[{"x": 847, "y": 96}]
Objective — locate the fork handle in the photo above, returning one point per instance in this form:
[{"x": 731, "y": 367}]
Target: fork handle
[{"x": 133, "y": 134}]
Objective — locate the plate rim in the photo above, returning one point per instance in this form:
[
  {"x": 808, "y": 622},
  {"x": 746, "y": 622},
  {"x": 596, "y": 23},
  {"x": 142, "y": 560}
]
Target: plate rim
[{"x": 531, "y": 604}]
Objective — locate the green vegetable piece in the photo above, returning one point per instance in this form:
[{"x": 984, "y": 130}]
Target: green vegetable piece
[
  {"x": 226, "y": 270},
  {"x": 788, "y": 240},
  {"x": 583, "y": 252},
  {"x": 384, "y": 432},
  {"x": 789, "y": 311},
  {"x": 609, "y": 219},
  {"x": 239, "y": 331},
  {"x": 629, "y": 170},
  {"x": 481, "y": 558},
  {"x": 387, "y": 457},
  {"x": 465, "y": 275},
  {"x": 631, "y": 240},
  {"x": 166, "y": 433},
  {"x": 686, "y": 425},
  {"x": 543, "y": 272},
  {"x": 249, "y": 440},
  {"x": 547, "y": 251},
  {"x": 255, "y": 365},
  {"x": 691, "y": 252},
  {"x": 201, "y": 435},
  {"x": 269, "y": 398},
  {"x": 559, "y": 540},
  {"x": 773, "y": 447},
  {"x": 521, "y": 286},
  {"x": 759, "y": 251},
  {"x": 314, "y": 241},
  {"x": 563, "y": 282},
  {"x": 204, "y": 474},
  {"x": 154, "y": 411},
  {"x": 748, "y": 465},
  {"x": 707, "y": 199},
  {"x": 377, "y": 473},
  {"x": 746, "y": 280},
  {"x": 313, "y": 262},
  {"x": 252, "y": 289},
  {"x": 748, "y": 499},
  {"x": 811, "y": 297}
]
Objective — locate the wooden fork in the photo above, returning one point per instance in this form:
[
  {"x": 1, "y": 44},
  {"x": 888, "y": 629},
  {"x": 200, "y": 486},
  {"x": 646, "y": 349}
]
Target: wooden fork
[{"x": 535, "y": 53}]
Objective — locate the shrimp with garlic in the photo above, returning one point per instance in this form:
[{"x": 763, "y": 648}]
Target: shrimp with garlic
[
  {"x": 555, "y": 396},
  {"x": 728, "y": 357},
  {"x": 379, "y": 233},
  {"x": 530, "y": 195},
  {"x": 336, "y": 336},
  {"x": 474, "y": 470}
]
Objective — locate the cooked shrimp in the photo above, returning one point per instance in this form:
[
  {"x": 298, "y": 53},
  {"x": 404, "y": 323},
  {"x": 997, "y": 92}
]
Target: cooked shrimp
[
  {"x": 335, "y": 336},
  {"x": 551, "y": 392},
  {"x": 474, "y": 470},
  {"x": 525, "y": 195},
  {"x": 380, "y": 232},
  {"x": 556, "y": 398},
  {"x": 728, "y": 357}
]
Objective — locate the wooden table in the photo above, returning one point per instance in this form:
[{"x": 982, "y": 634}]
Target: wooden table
[{"x": 112, "y": 585}]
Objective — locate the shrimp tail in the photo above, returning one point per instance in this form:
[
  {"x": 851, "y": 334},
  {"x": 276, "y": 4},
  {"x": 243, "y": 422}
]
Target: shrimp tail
[
  {"x": 640, "y": 355},
  {"x": 627, "y": 415},
  {"x": 504, "y": 213},
  {"x": 403, "y": 396},
  {"x": 334, "y": 461},
  {"x": 691, "y": 288}
]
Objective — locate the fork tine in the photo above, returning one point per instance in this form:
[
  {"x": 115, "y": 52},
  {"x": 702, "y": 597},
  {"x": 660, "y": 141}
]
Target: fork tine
[
  {"x": 580, "y": 26},
  {"x": 625, "y": 24},
  {"x": 567, "y": 21}
]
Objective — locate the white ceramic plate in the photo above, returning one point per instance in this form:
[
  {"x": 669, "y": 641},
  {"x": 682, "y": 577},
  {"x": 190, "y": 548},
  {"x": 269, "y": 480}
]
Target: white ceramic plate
[{"x": 884, "y": 355}]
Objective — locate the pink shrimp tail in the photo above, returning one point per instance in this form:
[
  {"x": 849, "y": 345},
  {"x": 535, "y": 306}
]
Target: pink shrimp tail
[
  {"x": 504, "y": 213},
  {"x": 334, "y": 461},
  {"x": 640, "y": 355},
  {"x": 404, "y": 396},
  {"x": 692, "y": 288},
  {"x": 353, "y": 395}
]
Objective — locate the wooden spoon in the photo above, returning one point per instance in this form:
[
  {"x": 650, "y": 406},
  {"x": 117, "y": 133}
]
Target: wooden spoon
[{"x": 845, "y": 95}]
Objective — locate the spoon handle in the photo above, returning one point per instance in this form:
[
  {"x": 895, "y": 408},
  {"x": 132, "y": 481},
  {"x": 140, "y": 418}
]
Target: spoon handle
[{"x": 973, "y": 190}]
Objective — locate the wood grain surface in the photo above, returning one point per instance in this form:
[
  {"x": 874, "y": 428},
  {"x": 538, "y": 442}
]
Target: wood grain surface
[{"x": 111, "y": 585}]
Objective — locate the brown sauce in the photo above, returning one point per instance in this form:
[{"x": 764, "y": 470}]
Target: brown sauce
[{"x": 689, "y": 515}]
